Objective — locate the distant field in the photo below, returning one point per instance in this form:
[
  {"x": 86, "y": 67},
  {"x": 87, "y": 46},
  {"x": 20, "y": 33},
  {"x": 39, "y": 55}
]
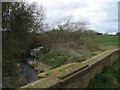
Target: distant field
[{"x": 108, "y": 41}]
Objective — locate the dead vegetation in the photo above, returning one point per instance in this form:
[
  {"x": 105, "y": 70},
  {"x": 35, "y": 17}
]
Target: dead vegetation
[
  {"x": 79, "y": 41},
  {"x": 67, "y": 46}
]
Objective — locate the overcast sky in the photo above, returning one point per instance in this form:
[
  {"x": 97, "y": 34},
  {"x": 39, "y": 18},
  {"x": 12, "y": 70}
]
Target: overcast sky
[{"x": 100, "y": 15}]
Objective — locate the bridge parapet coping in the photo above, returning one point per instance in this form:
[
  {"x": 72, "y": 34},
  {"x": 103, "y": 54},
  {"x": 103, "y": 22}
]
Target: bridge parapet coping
[{"x": 55, "y": 76}]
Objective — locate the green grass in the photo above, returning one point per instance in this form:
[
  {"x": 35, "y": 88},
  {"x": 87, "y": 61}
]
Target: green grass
[
  {"x": 108, "y": 78},
  {"x": 107, "y": 40},
  {"x": 53, "y": 58}
]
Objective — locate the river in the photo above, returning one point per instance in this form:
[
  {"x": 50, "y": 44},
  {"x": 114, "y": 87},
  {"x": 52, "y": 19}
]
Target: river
[{"x": 28, "y": 72}]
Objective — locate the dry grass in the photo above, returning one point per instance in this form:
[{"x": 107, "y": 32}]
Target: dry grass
[
  {"x": 66, "y": 47},
  {"x": 82, "y": 41}
]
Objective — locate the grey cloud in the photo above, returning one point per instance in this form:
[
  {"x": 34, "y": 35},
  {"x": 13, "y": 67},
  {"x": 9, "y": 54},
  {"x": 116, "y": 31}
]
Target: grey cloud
[{"x": 62, "y": 9}]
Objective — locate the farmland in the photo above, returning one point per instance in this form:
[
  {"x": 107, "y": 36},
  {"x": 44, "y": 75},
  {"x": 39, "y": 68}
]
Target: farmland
[{"x": 108, "y": 41}]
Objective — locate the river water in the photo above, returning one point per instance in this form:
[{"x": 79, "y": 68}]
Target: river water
[{"x": 28, "y": 72}]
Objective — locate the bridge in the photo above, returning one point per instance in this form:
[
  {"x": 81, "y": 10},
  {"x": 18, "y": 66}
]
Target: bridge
[{"x": 74, "y": 75}]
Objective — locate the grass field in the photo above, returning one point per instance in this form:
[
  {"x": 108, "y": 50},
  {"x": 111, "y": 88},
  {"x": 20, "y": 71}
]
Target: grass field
[{"x": 107, "y": 41}]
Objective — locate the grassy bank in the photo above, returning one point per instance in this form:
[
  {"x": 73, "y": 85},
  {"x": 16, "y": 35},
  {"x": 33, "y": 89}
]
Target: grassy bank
[
  {"x": 53, "y": 58},
  {"x": 71, "y": 47},
  {"x": 66, "y": 47}
]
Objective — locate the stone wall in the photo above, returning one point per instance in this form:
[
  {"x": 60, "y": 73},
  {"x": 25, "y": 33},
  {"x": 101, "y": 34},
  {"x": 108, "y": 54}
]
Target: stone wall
[{"x": 74, "y": 75}]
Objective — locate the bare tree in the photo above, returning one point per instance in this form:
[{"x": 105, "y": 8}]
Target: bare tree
[
  {"x": 63, "y": 24},
  {"x": 75, "y": 27},
  {"x": 39, "y": 16},
  {"x": 78, "y": 26}
]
